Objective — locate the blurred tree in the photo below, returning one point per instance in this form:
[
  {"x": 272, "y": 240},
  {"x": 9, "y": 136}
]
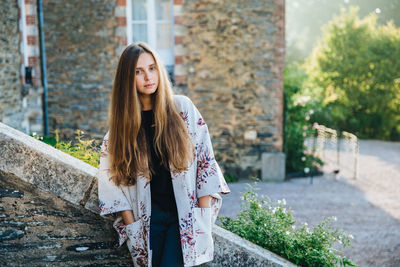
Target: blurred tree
[
  {"x": 354, "y": 75},
  {"x": 304, "y": 19}
]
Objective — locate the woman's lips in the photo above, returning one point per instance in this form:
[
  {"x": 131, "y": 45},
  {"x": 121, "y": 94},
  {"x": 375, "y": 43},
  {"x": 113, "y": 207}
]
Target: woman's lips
[{"x": 149, "y": 85}]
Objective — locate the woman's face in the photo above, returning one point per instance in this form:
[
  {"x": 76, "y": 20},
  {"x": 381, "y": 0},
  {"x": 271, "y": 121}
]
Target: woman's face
[{"x": 146, "y": 74}]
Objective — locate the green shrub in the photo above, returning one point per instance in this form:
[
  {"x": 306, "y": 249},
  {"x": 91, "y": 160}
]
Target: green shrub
[
  {"x": 298, "y": 125},
  {"x": 354, "y": 75},
  {"x": 269, "y": 224},
  {"x": 231, "y": 178},
  {"x": 85, "y": 150}
]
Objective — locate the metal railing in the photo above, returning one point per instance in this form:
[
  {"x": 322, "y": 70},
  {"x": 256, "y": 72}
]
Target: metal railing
[{"x": 339, "y": 153}]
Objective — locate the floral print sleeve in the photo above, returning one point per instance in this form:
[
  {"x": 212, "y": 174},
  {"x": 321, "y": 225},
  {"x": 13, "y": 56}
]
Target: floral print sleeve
[
  {"x": 209, "y": 177},
  {"x": 112, "y": 199}
]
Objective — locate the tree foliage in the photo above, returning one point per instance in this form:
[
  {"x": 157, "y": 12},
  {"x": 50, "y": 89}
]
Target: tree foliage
[{"x": 354, "y": 75}]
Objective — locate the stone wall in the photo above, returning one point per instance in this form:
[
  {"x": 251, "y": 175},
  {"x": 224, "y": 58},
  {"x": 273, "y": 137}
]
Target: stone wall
[
  {"x": 82, "y": 55},
  {"x": 9, "y": 62},
  {"x": 229, "y": 58},
  {"x": 234, "y": 56},
  {"x": 20, "y": 103}
]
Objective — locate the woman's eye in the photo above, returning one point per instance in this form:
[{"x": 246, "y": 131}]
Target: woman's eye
[
  {"x": 138, "y": 71},
  {"x": 152, "y": 68}
]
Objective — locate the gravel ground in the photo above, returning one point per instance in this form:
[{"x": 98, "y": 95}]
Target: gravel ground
[{"x": 367, "y": 207}]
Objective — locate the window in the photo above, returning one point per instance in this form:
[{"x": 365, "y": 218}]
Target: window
[{"x": 152, "y": 21}]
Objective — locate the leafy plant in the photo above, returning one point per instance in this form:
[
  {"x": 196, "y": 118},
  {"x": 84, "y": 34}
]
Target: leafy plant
[
  {"x": 269, "y": 224},
  {"x": 85, "y": 150},
  {"x": 298, "y": 125}
]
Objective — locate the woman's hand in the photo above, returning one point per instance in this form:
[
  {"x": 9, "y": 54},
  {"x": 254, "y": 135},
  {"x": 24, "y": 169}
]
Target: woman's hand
[
  {"x": 127, "y": 216},
  {"x": 204, "y": 202}
]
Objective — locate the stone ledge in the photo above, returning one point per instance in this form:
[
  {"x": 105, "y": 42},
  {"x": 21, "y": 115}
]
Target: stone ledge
[
  {"x": 50, "y": 169},
  {"x": 232, "y": 250}
]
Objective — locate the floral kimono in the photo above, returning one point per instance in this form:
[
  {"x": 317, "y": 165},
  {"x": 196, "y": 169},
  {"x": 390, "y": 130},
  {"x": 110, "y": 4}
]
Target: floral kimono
[{"x": 202, "y": 178}]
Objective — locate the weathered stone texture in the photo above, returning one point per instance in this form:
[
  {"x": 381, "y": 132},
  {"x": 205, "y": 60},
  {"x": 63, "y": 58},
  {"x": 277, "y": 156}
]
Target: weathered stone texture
[
  {"x": 39, "y": 229},
  {"x": 232, "y": 250},
  {"x": 234, "y": 64},
  {"x": 81, "y": 48},
  {"x": 20, "y": 105},
  {"x": 40, "y": 164},
  {"x": 10, "y": 92},
  {"x": 10, "y": 89}
]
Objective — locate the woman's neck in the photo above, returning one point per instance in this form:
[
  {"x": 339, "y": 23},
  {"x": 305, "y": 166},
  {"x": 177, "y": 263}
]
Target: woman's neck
[{"x": 147, "y": 103}]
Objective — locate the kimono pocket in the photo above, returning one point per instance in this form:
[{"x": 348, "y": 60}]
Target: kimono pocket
[
  {"x": 137, "y": 242},
  {"x": 202, "y": 228}
]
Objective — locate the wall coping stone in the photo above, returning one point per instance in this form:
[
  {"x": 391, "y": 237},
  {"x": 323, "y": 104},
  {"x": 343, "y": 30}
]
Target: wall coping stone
[
  {"x": 50, "y": 169},
  {"x": 73, "y": 180},
  {"x": 237, "y": 251}
]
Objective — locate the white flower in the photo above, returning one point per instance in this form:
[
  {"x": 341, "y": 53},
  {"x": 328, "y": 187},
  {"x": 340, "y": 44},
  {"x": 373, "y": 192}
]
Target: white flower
[
  {"x": 305, "y": 224},
  {"x": 273, "y": 210},
  {"x": 308, "y": 230},
  {"x": 307, "y": 118},
  {"x": 287, "y": 232},
  {"x": 351, "y": 236},
  {"x": 293, "y": 227},
  {"x": 34, "y": 133},
  {"x": 303, "y": 158},
  {"x": 284, "y": 201},
  {"x": 306, "y": 170},
  {"x": 334, "y": 218},
  {"x": 315, "y": 125},
  {"x": 311, "y": 111},
  {"x": 82, "y": 132}
]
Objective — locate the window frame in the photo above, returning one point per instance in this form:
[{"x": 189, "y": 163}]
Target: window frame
[{"x": 152, "y": 23}]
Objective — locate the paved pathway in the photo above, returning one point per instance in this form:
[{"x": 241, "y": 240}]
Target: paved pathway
[{"x": 368, "y": 208}]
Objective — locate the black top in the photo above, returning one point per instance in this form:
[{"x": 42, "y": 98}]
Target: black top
[{"x": 162, "y": 193}]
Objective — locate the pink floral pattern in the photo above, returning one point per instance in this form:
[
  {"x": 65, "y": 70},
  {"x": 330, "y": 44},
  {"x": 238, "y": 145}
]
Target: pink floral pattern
[
  {"x": 206, "y": 165},
  {"x": 201, "y": 122},
  {"x": 203, "y": 177}
]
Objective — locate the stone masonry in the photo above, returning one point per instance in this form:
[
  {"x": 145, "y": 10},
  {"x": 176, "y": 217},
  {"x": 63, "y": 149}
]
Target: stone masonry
[
  {"x": 233, "y": 64},
  {"x": 20, "y": 103},
  {"x": 81, "y": 45}
]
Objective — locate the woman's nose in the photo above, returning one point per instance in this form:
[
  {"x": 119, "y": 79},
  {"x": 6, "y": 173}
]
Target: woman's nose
[{"x": 146, "y": 75}]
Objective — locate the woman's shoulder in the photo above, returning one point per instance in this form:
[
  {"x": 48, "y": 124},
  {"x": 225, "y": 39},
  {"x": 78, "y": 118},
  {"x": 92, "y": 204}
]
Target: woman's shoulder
[
  {"x": 182, "y": 100},
  {"x": 183, "y": 103}
]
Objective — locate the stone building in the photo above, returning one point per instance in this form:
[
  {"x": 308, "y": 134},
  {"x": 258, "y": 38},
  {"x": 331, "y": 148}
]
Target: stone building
[{"x": 227, "y": 56}]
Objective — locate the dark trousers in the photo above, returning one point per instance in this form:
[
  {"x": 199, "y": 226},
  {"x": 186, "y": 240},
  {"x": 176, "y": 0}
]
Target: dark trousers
[{"x": 165, "y": 240}]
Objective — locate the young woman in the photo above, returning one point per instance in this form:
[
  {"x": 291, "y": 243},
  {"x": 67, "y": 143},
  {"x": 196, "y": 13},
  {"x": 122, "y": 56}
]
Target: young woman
[{"x": 158, "y": 176}]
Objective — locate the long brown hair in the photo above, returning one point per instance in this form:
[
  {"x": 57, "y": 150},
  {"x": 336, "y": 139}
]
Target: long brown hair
[{"x": 127, "y": 147}]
